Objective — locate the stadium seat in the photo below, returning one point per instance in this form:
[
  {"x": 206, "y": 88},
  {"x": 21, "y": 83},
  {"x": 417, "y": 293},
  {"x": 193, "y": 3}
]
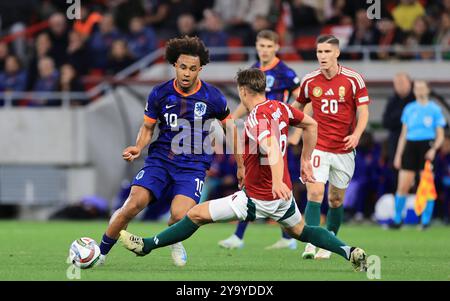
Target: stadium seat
[
  {"x": 305, "y": 43},
  {"x": 305, "y": 46},
  {"x": 235, "y": 42},
  {"x": 161, "y": 44},
  {"x": 93, "y": 78},
  {"x": 289, "y": 56},
  {"x": 342, "y": 32}
]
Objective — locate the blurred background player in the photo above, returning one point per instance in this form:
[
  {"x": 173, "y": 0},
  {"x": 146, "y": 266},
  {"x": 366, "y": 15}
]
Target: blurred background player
[
  {"x": 402, "y": 95},
  {"x": 185, "y": 98},
  {"x": 268, "y": 189},
  {"x": 340, "y": 102},
  {"x": 422, "y": 135},
  {"x": 281, "y": 83}
]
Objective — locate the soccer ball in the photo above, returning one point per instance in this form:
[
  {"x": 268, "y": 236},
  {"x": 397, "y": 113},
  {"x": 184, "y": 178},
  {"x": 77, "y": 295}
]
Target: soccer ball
[{"x": 84, "y": 253}]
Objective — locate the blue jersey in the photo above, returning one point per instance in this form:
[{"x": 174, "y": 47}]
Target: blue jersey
[
  {"x": 142, "y": 43},
  {"x": 281, "y": 80},
  {"x": 13, "y": 82},
  {"x": 422, "y": 120},
  {"x": 99, "y": 46},
  {"x": 184, "y": 123}
]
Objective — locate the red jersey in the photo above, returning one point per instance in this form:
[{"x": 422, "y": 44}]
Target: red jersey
[
  {"x": 270, "y": 118},
  {"x": 334, "y": 104}
]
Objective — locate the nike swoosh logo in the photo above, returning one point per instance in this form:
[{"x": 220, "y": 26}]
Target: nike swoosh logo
[{"x": 168, "y": 107}]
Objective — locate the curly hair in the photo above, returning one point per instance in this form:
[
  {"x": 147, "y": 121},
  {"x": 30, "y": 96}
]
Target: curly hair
[{"x": 189, "y": 46}]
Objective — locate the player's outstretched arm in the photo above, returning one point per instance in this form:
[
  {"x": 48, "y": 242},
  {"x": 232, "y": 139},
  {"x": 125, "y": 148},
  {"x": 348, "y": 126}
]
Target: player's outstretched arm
[
  {"x": 309, "y": 126},
  {"x": 229, "y": 125},
  {"x": 352, "y": 140},
  {"x": 143, "y": 139},
  {"x": 239, "y": 112},
  {"x": 296, "y": 135},
  {"x": 298, "y": 105},
  {"x": 279, "y": 189}
]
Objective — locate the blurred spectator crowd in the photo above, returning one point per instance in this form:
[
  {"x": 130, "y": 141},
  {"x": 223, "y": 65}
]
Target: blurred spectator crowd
[{"x": 41, "y": 49}]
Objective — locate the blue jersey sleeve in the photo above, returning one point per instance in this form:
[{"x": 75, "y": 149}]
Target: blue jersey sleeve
[
  {"x": 292, "y": 80},
  {"x": 221, "y": 108},
  {"x": 152, "y": 109}
]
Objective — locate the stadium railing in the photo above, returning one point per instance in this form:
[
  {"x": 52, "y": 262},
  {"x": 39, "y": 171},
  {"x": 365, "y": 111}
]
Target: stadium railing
[{"x": 249, "y": 53}]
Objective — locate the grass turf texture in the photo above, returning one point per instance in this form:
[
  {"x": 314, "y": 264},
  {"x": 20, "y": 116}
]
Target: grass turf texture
[{"x": 38, "y": 251}]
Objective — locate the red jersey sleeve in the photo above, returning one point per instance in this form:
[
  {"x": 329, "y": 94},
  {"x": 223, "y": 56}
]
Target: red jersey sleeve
[
  {"x": 361, "y": 93},
  {"x": 295, "y": 116},
  {"x": 303, "y": 97}
]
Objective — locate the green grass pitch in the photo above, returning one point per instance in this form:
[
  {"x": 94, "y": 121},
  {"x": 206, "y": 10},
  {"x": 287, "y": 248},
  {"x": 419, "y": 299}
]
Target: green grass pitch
[{"x": 38, "y": 251}]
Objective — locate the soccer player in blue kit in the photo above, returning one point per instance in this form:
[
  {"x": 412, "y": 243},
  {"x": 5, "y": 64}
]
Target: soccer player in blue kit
[
  {"x": 281, "y": 83},
  {"x": 177, "y": 160}
]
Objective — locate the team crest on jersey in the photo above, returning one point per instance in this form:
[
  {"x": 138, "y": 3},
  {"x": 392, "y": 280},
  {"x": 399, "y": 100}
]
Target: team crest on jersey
[
  {"x": 199, "y": 109},
  {"x": 317, "y": 91},
  {"x": 140, "y": 175},
  {"x": 428, "y": 121},
  {"x": 270, "y": 80},
  {"x": 341, "y": 93}
]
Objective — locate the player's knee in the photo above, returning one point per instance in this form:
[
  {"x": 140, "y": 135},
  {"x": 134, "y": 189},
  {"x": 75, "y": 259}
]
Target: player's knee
[
  {"x": 315, "y": 195},
  {"x": 136, "y": 202},
  {"x": 133, "y": 207},
  {"x": 195, "y": 215},
  {"x": 335, "y": 201},
  {"x": 176, "y": 216},
  {"x": 404, "y": 188}
]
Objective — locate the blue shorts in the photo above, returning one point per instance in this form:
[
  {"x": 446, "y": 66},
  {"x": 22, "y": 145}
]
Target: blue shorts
[{"x": 165, "y": 180}]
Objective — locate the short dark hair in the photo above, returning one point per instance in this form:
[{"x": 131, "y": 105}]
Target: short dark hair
[
  {"x": 269, "y": 35},
  {"x": 328, "y": 38},
  {"x": 252, "y": 78},
  {"x": 189, "y": 46}
]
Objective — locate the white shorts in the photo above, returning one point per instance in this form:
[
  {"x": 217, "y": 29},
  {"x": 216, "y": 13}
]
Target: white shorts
[
  {"x": 240, "y": 207},
  {"x": 336, "y": 168}
]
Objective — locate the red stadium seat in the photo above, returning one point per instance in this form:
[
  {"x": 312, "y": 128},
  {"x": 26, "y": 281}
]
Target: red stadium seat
[
  {"x": 305, "y": 43},
  {"x": 92, "y": 75},
  {"x": 161, "y": 44},
  {"x": 289, "y": 56},
  {"x": 235, "y": 42}
]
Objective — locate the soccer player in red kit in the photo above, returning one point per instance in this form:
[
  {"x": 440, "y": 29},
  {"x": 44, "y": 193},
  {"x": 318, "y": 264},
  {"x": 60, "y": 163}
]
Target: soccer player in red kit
[
  {"x": 282, "y": 84},
  {"x": 339, "y": 101},
  {"x": 267, "y": 191}
]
